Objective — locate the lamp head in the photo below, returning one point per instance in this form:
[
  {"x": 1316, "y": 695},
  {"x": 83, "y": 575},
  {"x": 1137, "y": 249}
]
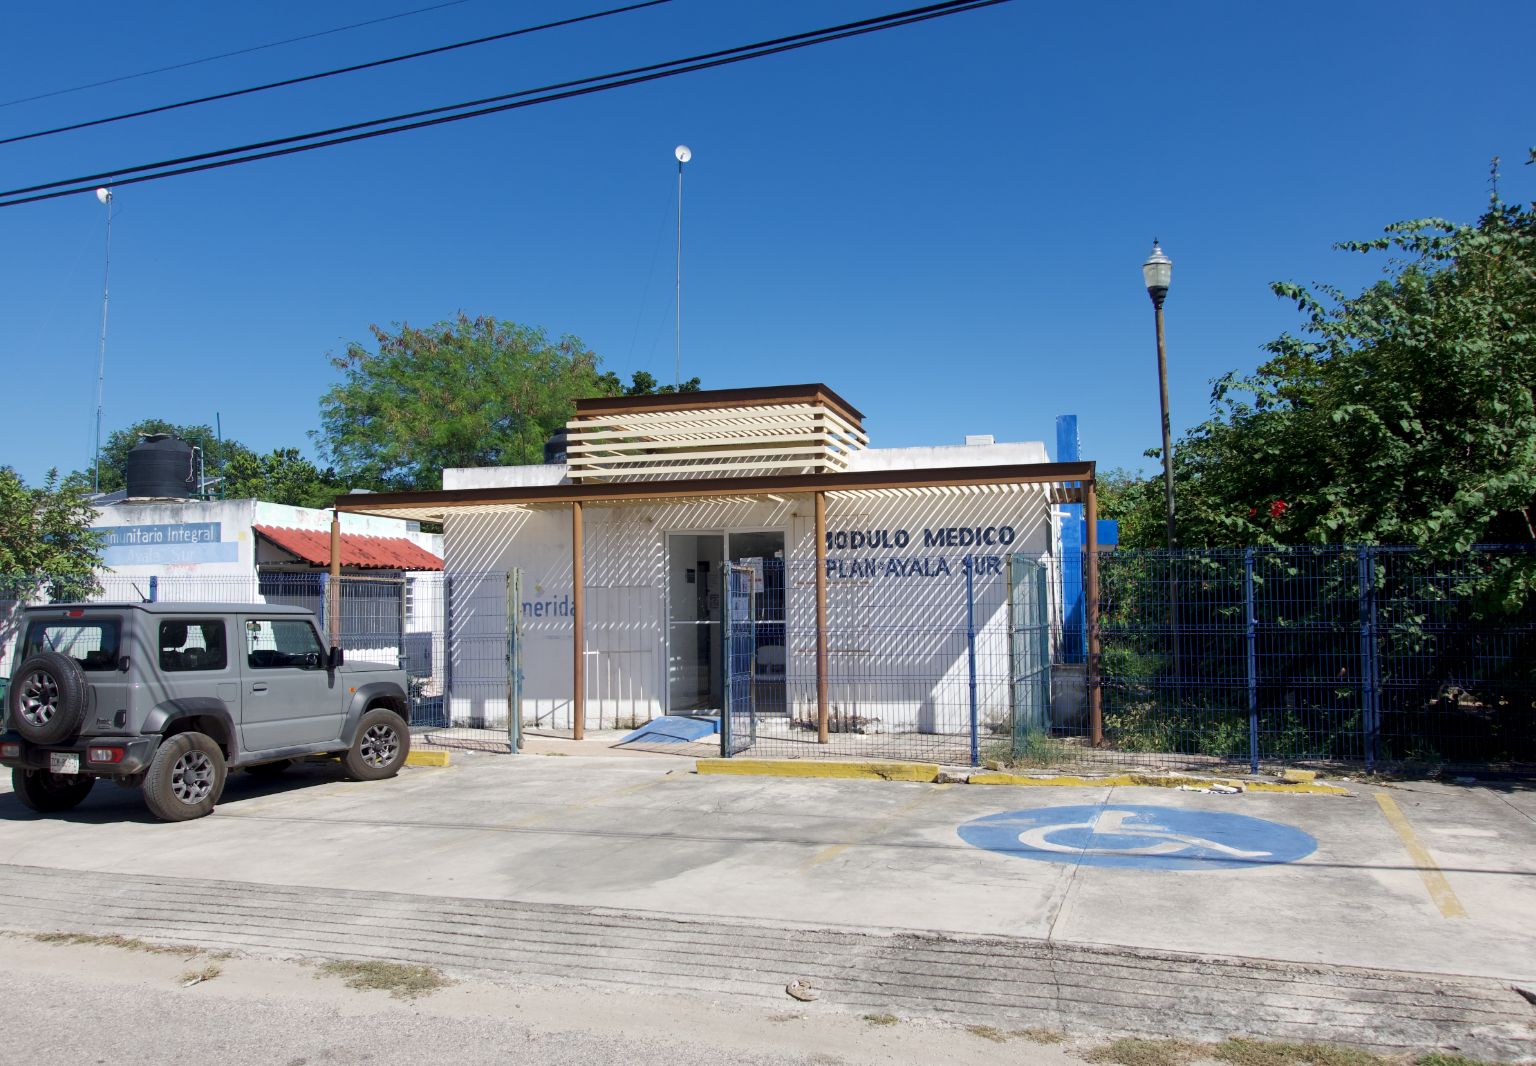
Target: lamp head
[
  {"x": 1157, "y": 272},
  {"x": 683, "y": 153},
  {"x": 104, "y": 195}
]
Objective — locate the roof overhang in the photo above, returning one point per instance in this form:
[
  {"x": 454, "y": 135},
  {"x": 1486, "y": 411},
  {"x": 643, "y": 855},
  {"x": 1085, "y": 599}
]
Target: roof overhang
[
  {"x": 358, "y": 550},
  {"x": 1060, "y": 481}
]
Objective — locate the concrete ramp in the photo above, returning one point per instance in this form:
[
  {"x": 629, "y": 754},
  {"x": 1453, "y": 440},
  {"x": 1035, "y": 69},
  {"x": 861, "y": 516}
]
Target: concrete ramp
[{"x": 673, "y": 729}]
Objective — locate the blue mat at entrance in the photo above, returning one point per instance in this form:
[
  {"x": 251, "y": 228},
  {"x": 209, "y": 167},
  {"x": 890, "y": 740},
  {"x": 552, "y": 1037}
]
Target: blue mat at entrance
[{"x": 673, "y": 729}]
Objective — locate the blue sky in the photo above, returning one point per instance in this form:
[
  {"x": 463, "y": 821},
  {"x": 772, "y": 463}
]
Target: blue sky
[{"x": 944, "y": 222}]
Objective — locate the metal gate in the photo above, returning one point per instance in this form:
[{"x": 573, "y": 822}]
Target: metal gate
[
  {"x": 738, "y": 720},
  {"x": 464, "y": 658},
  {"x": 1029, "y": 650}
]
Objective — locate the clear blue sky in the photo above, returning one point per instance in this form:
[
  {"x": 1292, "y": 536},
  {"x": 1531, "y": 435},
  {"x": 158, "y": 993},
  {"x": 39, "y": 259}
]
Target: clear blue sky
[{"x": 945, "y": 222}]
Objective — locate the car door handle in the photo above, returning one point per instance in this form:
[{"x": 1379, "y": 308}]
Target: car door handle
[{"x": 260, "y": 686}]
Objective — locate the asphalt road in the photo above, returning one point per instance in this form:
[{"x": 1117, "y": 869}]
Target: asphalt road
[{"x": 90, "y": 1004}]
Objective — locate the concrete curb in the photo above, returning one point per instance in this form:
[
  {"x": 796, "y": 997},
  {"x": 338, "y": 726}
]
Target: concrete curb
[
  {"x": 931, "y": 772},
  {"x": 874, "y": 771},
  {"x": 1005, "y": 982},
  {"x": 426, "y": 758}
]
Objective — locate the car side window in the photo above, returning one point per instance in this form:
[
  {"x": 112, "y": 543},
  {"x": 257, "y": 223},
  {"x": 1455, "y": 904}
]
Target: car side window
[
  {"x": 273, "y": 643},
  {"x": 192, "y": 645},
  {"x": 91, "y": 644}
]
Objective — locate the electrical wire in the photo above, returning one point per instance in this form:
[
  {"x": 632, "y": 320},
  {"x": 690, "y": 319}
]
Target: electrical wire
[
  {"x": 561, "y": 91},
  {"x": 301, "y": 79},
  {"x": 229, "y": 55}
]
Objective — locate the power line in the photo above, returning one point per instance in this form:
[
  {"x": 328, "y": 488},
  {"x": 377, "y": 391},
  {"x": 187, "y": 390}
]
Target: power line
[
  {"x": 229, "y": 55},
  {"x": 371, "y": 64},
  {"x": 523, "y": 98}
]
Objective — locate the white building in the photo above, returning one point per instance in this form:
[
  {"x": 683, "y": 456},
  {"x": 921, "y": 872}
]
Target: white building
[{"x": 856, "y": 557}]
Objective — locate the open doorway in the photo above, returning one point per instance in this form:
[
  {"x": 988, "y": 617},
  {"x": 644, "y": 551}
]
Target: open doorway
[
  {"x": 763, "y": 554},
  {"x": 696, "y": 567}
]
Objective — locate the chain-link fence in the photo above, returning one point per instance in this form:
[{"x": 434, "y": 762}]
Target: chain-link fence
[
  {"x": 918, "y": 663},
  {"x": 1369, "y": 657}
]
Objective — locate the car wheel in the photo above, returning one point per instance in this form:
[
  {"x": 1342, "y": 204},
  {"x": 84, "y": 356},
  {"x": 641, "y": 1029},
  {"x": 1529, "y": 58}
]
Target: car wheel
[
  {"x": 185, "y": 778},
  {"x": 49, "y": 793},
  {"x": 47, "y": 698},
  {"x": 378, "y": 751},
  {"x": 269, "y": 769}
]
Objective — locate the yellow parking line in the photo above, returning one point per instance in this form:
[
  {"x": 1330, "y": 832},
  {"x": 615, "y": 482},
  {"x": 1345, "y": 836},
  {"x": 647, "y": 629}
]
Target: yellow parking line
[
  {"x": 832, "y": 851},
  {"x": 1434, "y": 881}
]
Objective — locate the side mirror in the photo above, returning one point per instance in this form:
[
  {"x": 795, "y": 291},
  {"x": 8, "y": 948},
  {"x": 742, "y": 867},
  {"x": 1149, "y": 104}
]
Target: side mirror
[{"x": 334, "y": 659}]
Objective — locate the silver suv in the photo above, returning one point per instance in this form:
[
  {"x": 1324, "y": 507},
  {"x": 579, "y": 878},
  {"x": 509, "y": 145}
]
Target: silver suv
[{"x": 170, "y": 696}]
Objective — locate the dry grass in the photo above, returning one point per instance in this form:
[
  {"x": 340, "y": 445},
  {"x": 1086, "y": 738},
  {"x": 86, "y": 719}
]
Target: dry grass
[
  {"x": 1039, "y": 1036},
  {"x": 400, "y": 980},
  {"x": 881, "y": 1019},
  {"x": 1441, "y": 1058},
  {"x": 1241, "y": 1052},
  {"x": 988, "y": 1032},
  {"x": 1134, "y": 1051},
  {"x": 197, "y": 977},
  {"x": 111, "y": 940}
]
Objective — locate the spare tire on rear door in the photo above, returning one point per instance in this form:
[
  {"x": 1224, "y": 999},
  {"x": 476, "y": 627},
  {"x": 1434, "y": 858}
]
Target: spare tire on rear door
[{"x": 47, "y": 698}]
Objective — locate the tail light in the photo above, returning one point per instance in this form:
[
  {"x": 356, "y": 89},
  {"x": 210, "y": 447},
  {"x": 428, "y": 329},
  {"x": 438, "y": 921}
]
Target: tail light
[
  {"x": 10, "y": 751},
  {"x": 103, "y": 754}
]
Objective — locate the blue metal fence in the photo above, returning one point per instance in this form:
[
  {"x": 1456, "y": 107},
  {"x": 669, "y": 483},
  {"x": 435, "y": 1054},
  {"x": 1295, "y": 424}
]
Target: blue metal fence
[
  {"x": 738, "y": 724},
  {"x": 1381, "y": 657}
]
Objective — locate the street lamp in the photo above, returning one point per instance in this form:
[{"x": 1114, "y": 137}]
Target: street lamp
[
  {"x": 683, "y": 154},
  {"x": 1157, "y": 271}
]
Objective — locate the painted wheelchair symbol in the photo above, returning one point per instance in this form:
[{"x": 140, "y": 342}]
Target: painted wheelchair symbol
[{"x": 1139, "y": 836}]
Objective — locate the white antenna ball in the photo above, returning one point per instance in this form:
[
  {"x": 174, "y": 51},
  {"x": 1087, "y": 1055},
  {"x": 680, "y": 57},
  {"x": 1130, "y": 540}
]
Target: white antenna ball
[
  {"x": 683, "y": 153},
  {"x": 104, "y": 195}
]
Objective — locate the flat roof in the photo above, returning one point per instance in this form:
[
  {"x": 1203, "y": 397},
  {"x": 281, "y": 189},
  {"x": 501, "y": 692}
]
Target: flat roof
[
  {"x": 764, "y": 396},
  {"x": 175, "y": 607},
  {"x": 435, "y": 504}
]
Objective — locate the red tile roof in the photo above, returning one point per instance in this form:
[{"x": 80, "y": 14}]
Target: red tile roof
[{"x": 369, "y": 553}]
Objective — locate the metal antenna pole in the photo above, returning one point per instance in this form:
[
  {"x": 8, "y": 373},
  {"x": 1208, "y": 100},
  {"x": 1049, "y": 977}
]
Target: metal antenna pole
[
  {"x": 678, "y": 358},
  {"x": 101, "y": 352}
]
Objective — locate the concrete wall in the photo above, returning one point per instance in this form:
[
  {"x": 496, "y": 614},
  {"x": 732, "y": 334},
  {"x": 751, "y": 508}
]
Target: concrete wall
[
  {"x": 896, "y": 599},
  {"x": 213, "y": 539}
]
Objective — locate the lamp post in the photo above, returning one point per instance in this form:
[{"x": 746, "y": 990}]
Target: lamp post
[
  {"x": 683, "y": 154},
  {"x": 1157, "y": 271},
  {"x": 104, "y": 196}
]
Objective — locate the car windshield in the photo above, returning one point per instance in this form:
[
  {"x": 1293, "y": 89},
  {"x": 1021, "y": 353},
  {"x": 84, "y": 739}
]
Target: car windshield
[{"x": 92, "y": 644}]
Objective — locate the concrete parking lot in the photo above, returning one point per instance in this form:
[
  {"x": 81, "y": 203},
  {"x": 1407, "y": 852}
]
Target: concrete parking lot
[
  {"x": 653, "y": 836},
  {"x": 1420, "y": 877}
]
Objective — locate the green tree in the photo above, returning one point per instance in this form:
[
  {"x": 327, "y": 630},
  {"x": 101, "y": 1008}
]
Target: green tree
[
  {"x": 46, "y": 531},
  {"x": 470, "y": 392},
  {"x": 641, "y": 384},
  {"x": 281, "y": 476},
  {"x": 1404, "y": 414},
  {"x": 115, "y": 449},
  {"x": 1137, "y": 504}
]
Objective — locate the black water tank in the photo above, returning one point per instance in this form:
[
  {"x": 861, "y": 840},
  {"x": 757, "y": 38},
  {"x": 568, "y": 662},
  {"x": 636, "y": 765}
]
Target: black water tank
[
  {"x": 160, "y": 466},
  {"x": 555, "y": 447}
]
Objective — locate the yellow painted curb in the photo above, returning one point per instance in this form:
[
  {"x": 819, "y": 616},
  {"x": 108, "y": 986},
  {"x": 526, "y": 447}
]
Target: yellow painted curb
[
  {"x": 1310, "y": 788},
  {"x": 427, "y": 758},
  {"x": 877, "y": 771},
  {"x": 927, "y": 772},
  {"x": 1055, "y": 781},
  {"x": 1155, "y": 781}
]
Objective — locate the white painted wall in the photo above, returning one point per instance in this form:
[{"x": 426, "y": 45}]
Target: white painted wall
[{"x": 889, "y": 622}]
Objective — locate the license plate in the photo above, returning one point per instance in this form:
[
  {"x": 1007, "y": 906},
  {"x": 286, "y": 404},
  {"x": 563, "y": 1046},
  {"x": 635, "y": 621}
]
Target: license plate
[{"x": 64, "y": 762}]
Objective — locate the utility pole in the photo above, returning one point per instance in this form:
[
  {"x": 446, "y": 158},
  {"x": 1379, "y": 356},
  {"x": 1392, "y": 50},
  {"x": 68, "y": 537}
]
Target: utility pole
[{"x": 105, "y": 196}]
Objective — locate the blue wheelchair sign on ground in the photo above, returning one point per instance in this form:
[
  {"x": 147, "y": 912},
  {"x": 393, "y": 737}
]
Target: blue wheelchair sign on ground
[{"x": 1139, "y": 836}]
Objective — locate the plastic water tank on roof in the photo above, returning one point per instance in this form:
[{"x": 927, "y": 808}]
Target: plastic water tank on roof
[{"x": 161, "y": 467}]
